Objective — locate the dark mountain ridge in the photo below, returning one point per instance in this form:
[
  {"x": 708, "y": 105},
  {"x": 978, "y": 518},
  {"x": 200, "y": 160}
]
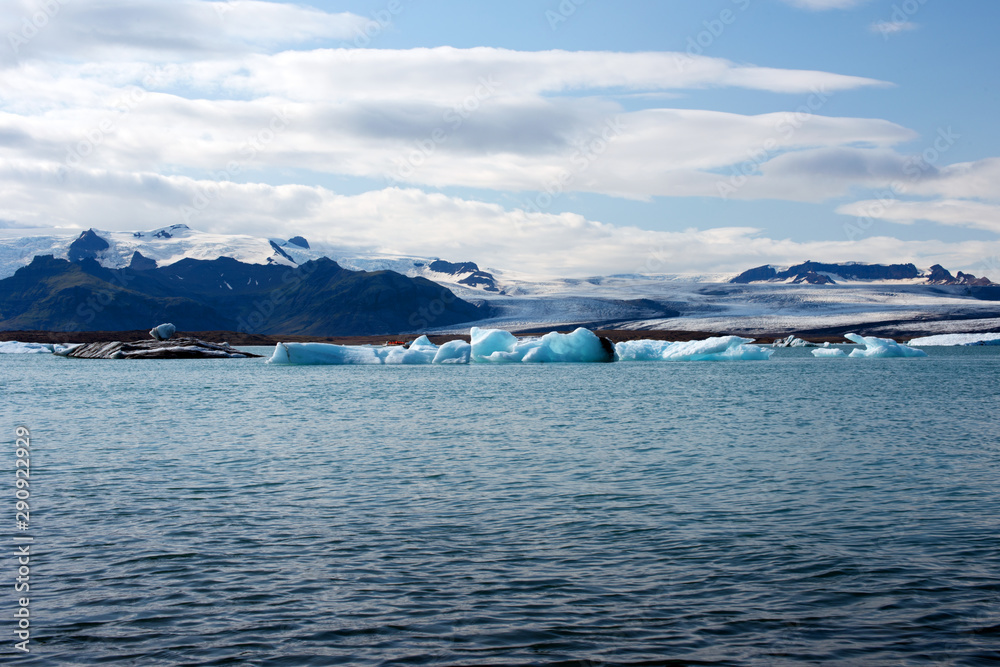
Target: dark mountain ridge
[
  {"x": 318, "y": 298},
  {"x": 818, "y": 273}
]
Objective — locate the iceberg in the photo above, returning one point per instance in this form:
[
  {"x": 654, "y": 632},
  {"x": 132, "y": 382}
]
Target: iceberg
[
  {"x": 829, "y": 353},
  {"x": 580, "y": 346},
  {"x": 495, "y": 346},
  {"x": 720, "y": 348},
  {"x": 14, "y": 347},
  {"x": 420, "y": 352},
  {"x": 880, "y": 348},
  {"x": 958, "y": 339},
  {"x": 487, "y": 346},
  {"x": 792, "y": 341},
  {"x": 163, "y": 331}
]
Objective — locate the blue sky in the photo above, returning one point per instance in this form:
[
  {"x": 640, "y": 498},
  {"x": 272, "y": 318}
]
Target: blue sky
[{"x": 570, "y": 138}]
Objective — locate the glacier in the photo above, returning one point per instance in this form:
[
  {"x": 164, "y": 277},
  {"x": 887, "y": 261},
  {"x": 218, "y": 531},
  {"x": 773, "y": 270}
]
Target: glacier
[
  {"x": 958, "y": 339},
  {"x": 496, "y": 346},
  {"x": 880, "y": 348}
]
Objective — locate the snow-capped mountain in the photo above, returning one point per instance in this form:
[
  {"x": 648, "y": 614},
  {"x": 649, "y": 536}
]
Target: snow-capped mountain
[
  {"x": 805, "y": 297},
  {"x": 169, "y": 245},
  {"x": 818, "y": 273}
]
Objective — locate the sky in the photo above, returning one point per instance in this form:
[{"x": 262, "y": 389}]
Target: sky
[{"x": 551, "y": 137}]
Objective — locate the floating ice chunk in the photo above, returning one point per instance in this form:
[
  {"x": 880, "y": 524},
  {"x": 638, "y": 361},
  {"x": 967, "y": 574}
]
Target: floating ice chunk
[
  {"x": 488, "y": 346},
  {"x": 580, "y": 346},
  {"x": 493, "y": 345},
  {"x": 792, "y": 341},
  {"x": 414, "y": 356},
  {"x": 163, "y": 331},
  {"x": 958, "y": 339},
  {"x": 14, "y": 347},
  {"x": 881, "y": 347},
  {"x": 453, "y": 352},
  {"x": 720, "y": 348},
  {"x": 423, "y": 341},
  {"x": 324, "y": 353},
  {"x": 827, "y": 352},
  {"x": 420, "y": 352}
]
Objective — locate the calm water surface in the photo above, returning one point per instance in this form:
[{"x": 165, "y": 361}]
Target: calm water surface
[{"x": 795, "y": 511}]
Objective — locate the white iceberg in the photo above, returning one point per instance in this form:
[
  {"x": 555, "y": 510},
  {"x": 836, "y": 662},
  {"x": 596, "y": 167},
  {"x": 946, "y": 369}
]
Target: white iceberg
[
  {"x": 453, "y": 352},
  {"x": 720, "y": 348},
  {"x": 163, "y": 331},
  {"x": 419, "y": 352},
  {"x": 958, "y": 339},
  {"x": 829, "y": 353},
  {"x": 881, "y": 347},
  {"x": 15, "y": 347}
]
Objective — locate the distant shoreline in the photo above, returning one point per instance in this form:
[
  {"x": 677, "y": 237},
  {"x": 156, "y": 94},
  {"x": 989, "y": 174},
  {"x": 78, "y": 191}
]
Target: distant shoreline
[{"x": 832, "y": 335}]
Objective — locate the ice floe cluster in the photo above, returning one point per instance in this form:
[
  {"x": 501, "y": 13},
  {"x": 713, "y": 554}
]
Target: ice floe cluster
[
  {"x": 496, "y": 346},
  {"x": 871, "y": 348},
  {"x": 721, "y": 348},
  {"x": 15, "y": 347},
  {"x": 487, "y": 346}
]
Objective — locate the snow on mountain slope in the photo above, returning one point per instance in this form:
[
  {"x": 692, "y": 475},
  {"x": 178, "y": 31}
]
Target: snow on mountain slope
[
  {"x": 166, "y": 245},
  {"x": 708, "y": 302}
]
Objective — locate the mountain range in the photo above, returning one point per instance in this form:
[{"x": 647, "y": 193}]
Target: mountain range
[
  {"x": 817, "y": 273},
  {"x": 317, "y": 298},
  {"x": 128, "y": 280}
]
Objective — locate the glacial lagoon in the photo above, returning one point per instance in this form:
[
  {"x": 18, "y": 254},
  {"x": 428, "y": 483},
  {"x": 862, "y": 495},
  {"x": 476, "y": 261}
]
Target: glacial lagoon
[{"x": 796, "y": 510}]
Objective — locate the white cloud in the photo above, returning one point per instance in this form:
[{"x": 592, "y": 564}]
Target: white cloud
[
  {"x": 122, "y": 30},
  {"x": 887, "y": 28},
  {"x": 411, "y": 221},
  {"x": 110, "y": 107},
  {"x": 955, "y": 212}
]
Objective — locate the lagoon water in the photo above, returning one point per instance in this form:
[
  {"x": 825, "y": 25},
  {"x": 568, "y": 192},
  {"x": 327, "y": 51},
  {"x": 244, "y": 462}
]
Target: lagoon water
[{"x": 783, "y": 512}]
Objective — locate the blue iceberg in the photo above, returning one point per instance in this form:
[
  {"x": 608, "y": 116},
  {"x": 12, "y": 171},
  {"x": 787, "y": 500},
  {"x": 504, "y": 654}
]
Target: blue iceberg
[{"x": 881, "y": 348}]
